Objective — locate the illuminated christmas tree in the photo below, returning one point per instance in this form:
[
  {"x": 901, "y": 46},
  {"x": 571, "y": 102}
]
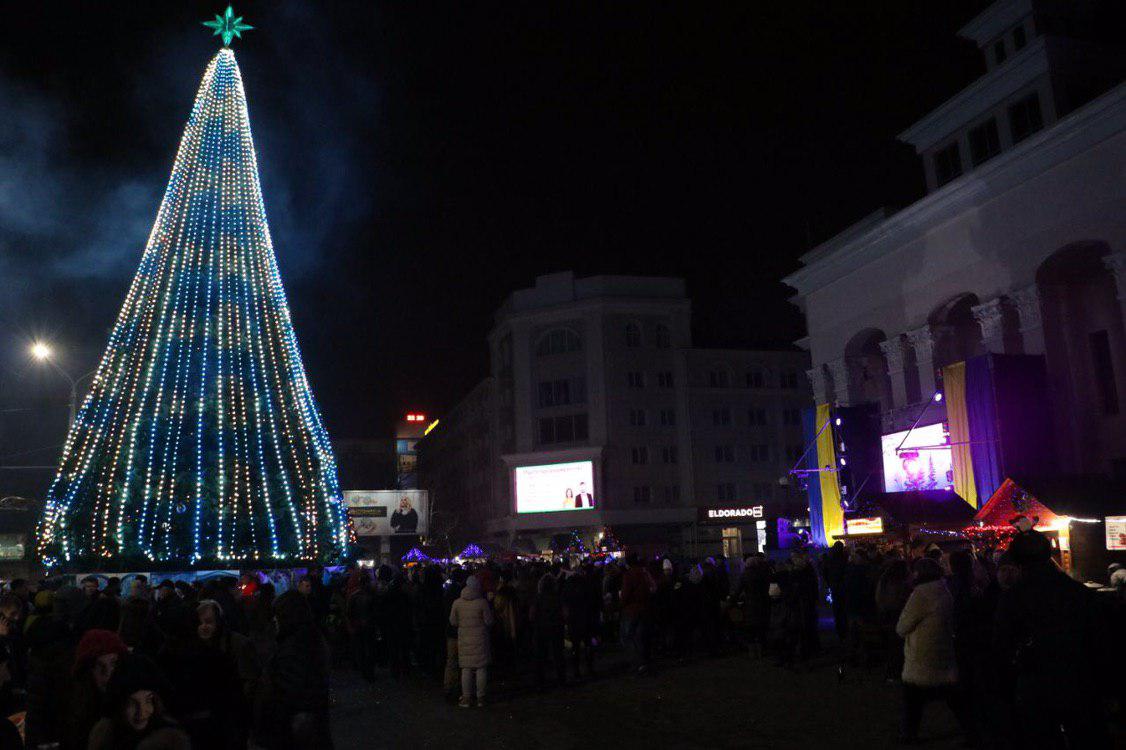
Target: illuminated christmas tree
[{"x": 200, "y": 443}]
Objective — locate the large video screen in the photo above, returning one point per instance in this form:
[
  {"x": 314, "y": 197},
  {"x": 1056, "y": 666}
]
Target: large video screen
[
  {"x": 554, "y": 487},
  {"x": 929, "y": 468}
]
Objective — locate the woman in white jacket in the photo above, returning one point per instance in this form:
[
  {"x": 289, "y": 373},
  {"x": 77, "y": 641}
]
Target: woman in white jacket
[
  {"x": 930, "y": 670},
  {"x": 472, "y": 616}
]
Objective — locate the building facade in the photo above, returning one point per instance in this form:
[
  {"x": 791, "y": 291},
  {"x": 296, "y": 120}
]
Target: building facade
[
  {"x": 1019, "y": 246},
  {"x": 602, "y": 370}
]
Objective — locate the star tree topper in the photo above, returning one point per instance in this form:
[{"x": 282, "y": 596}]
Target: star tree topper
[{"x": 229, "y": 26}]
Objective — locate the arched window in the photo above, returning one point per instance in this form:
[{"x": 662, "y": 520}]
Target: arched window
[
  {"x": 756, "y": 378},
  {"x": 633, "y": 335},
  {"x": 664, "y": 338},
  {"x": 558, "y": 341}
]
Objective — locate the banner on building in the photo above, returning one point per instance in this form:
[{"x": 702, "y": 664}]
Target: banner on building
[{"x": 388, "y": 512}]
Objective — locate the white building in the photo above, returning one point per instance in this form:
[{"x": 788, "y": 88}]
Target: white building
[
  {"x": 1018, "y": 247},
  {"x": 601, "y": 369}
]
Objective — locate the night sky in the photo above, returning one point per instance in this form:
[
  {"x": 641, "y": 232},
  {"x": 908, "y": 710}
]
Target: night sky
[{"x": 422, "y": 160}]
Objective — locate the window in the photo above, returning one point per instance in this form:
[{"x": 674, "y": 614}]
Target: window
[
  {"x": 668, "y": 418},
  {"x": 762, "y": 491},
  {"x": 559, "y": 392},
  {"x": 558, "y": 341},
  {"x": 633, "y": 335},
  {"x": 639, "y": 455},
  {"x": 725, "y": 491},
  {"x": 790, "y": 380},
  {"x": 1104, "y": 371},
  {"x": 1019, "y": 38},
  {"x": 791, "y": 417},
  {"x": 756, "y": 379},
  {"x": 999, "y": 51},
  {"x": 1025, "y": 118},
  {"x": 717, "y": 378},
  {"x": 669, "y": 454},
  {"x": 672, "y": 493},
  {"x": 641, "y": 493},
  {"x": 664, "y": 379},
  {"x": 984, "y": 142},
  {"x": 947, "y": 164},
  {"x": 635, "y": 379},
  {"x": 793, "y": 453},
  {"x": 724, "y": 454},
  {"x": 756, "y": 416},
  {"x": 760, "y": 452},
  {"x": 636, "y": 417},
  {"x": 564, "y": 429},
  {"x": 721, "y": 417},
  {"x": 664, "y": 338}
]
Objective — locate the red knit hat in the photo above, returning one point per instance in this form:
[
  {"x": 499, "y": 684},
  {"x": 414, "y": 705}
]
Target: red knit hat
[{"x": 94, "y": 644}]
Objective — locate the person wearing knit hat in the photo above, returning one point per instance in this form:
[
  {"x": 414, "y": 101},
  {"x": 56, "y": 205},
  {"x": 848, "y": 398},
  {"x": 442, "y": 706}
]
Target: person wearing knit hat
[
  {"x": 135, "y": 711},
  {"x": 95, "y": 659}
]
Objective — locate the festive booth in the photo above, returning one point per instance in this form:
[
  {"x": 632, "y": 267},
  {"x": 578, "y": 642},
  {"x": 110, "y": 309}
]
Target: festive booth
[{"x": 1085, "y": 519}]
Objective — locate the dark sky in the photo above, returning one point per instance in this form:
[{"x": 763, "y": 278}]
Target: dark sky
[{"x": 421, "y": 160}]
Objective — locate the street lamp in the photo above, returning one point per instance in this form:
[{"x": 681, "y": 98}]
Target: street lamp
[{"x": 43, "y": 352}]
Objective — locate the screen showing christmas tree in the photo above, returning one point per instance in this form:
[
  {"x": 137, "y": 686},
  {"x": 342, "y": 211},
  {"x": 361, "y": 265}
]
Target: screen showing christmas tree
[
  {"x": 553, "y": 487},
  {"x": 923, "y": 461}
]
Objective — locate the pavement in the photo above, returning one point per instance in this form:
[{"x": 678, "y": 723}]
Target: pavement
[{"x": 732, "y": 701}]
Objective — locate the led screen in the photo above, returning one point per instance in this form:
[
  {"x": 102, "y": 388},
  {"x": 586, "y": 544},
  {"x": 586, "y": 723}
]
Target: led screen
[
  {"x": 553, "y": 487},
  {"x": 928, "y": 468}
]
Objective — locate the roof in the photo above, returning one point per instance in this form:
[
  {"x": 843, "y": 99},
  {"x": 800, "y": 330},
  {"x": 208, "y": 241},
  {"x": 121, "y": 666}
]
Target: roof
[
  {"x": 939, "y": 507},
  {"x": 1078, "y": 497}
]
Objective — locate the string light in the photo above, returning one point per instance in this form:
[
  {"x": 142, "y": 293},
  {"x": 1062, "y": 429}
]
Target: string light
[{"x": 199, "y": 440}]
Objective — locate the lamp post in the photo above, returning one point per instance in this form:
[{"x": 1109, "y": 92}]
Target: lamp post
[{"x": 43, "y": 353}]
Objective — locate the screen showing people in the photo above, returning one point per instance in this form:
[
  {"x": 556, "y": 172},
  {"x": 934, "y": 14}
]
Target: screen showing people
[
  {"x": 923, "y": 462},
  {"x": 555, "y": 487}
]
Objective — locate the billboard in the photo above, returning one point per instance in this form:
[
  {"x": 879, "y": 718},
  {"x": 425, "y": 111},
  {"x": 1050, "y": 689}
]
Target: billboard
[
  {"x": 930, "y": 467},
  {"x": 388, "y": 512},
  {"x": 554, "y": 487}
]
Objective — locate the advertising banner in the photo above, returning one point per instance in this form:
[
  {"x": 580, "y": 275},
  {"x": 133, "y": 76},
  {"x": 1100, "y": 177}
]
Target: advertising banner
[
  {"x": 388, "y": 512},
  {"x": 554, "y": 487}
]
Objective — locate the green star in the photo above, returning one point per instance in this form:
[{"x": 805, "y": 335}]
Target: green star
[{"x": 229, "y": 26}]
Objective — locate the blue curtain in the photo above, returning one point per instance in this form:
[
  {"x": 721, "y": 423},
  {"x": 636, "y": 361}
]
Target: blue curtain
[
  {"x": 816, "y": 522},
  {"x": 981, "y": 413}
]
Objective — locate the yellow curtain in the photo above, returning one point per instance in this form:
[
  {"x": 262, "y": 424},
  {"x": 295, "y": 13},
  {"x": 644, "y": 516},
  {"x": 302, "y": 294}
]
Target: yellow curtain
[
  {"x": 831, "y": 514},
  {"x": 954, "y": 391}
]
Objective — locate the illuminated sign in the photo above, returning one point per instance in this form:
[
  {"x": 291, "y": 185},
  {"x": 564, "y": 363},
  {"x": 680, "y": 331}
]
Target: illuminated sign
[
  {"x": 430, "y": 427},
  {"x": 864, "y": 525},
  {"x": 726, "y": 515},
  {"x": 554, "y": 487},
  {"x": 1116, "y": 532},
  {"x": 412, "y": 417}
]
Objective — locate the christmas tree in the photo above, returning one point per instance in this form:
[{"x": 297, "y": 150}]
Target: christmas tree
[{"x": 200, "y": 443}]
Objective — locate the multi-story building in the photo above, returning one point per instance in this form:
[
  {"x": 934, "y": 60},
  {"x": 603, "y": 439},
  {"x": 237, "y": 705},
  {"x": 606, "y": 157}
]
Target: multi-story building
[
  {"x": 602, "y": 370},
  {"x": 1018, "y": 247}
]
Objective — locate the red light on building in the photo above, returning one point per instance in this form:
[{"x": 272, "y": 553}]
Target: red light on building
[{"x": 416, "y": 417}]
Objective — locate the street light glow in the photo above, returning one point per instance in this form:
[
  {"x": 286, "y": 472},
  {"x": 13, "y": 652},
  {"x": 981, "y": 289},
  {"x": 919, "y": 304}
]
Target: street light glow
[{"x": 40, "y": 351}]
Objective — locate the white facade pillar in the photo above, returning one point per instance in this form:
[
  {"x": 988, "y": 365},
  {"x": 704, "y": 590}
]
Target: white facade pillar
[
  {"x": 893, "y": 353},
  {"x": 838, "y": 372},
  {"x": 922, "y": 341},
  {"x": 817, "y": 382},
  {"x": 991, "y": 317},
  {"x": 1027, "y": 301}
]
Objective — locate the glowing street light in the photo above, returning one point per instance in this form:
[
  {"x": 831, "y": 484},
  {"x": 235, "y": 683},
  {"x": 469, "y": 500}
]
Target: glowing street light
[{"x": 42, "y": 352}]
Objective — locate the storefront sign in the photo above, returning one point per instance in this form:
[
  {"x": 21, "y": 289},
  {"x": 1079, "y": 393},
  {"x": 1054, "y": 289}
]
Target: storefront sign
[
  {"x": 1116, "y": 533},
  {"x": 745, "y": 514},
  {"x": 864, "y": 525}
]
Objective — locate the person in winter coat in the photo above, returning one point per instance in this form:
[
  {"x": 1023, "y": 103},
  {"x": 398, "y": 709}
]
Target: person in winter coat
[
  {"x": 293, "y": 704},
  {"x": 431, "y": 618},
  {"x": 472, "y": 616},
  {"x": 637, "y": 591},
  {"x": 547, "y": 623},
  {"x": 451, "y": 677},
  {"x": 580, "y": 607},
  {"x": 754, "y": 590},
  {"x": 236, "y": 676},
  {"x": 95, "y": 660},
  {"x": 136, "y": 718},
  {"x": 930, "y": 668},
  {"x": 50, "y": 647}
]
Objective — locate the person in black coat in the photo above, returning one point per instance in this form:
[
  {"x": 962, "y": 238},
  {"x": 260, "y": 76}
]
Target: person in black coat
[
  {"x": 580, "y": 604},
  {"x": 547, "y": 623}
]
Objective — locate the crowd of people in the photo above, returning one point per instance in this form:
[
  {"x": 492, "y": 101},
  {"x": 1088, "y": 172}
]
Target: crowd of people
[{"x": 1022, "y": 654}]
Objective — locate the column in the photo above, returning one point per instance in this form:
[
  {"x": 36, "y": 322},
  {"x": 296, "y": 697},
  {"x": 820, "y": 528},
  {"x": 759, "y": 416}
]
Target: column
[
  {"x": 1116, "y": 264},
  {"x": 1027, "y": 301},
  {"x": 893, "y": 353},
  {"x": 990, "y": 316},
  {"x": 922, "y": 341},
  {"x": 816, "y": 377},
  {"x": 838, "y": 372}
]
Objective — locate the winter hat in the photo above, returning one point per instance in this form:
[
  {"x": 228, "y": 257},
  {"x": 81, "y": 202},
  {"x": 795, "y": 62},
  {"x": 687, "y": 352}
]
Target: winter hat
[
  {"x": 95, "y": 644},
  {"x": 135, "y": 672},
  {"x": 666, "y": 565},
  {"x": 43, "y": 601},
  {"x": 292, "y": 611},
  {"x": 211, "y": 603},
  {"x": 473, "y": 582},
  {"x": 1030, "y": 547}
]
